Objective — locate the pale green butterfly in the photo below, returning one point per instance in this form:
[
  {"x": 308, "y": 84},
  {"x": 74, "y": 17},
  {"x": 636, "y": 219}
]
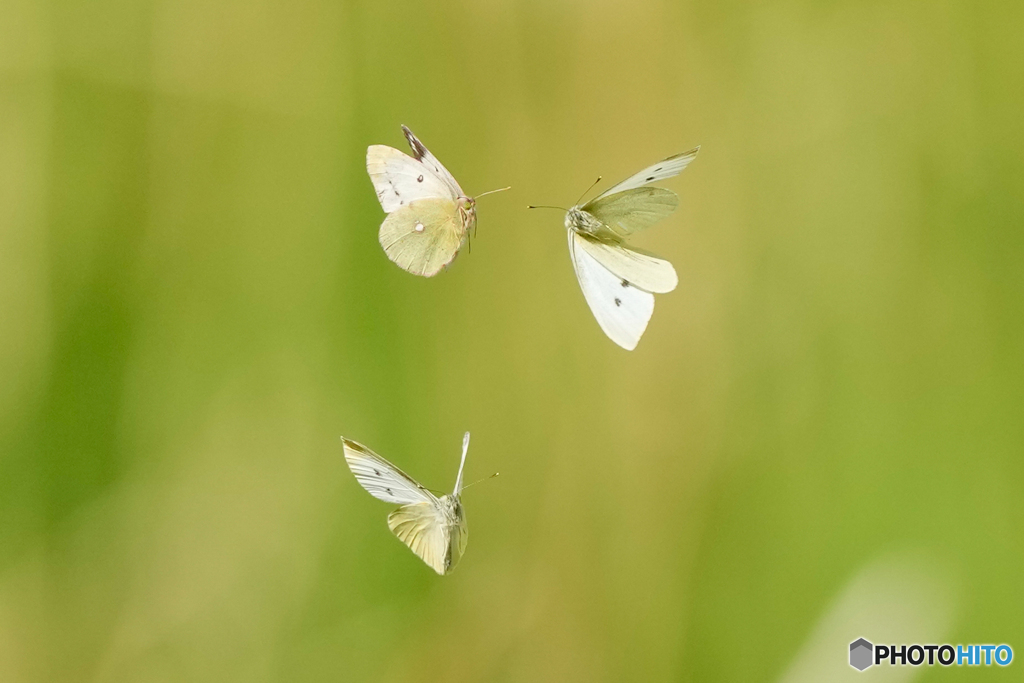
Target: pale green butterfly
[
  {"x": 429, "y": 216},
  {"x": 434, "y": 527},
  {"x": 618, "y": 282}
]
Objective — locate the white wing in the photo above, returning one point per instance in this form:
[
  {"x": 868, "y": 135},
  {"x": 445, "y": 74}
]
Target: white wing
[
  {"x": 621, "y": 309},
  {"x": 383, "y": 480},
  {"x": 465, "y": 449},
  {"x": 644, "y": 271},
  {"x": 667, "y": 168},
  {"x": 421, "y": 526},
  {"x": 399, "y": 179},
  {"x": 421, "y": 153}
]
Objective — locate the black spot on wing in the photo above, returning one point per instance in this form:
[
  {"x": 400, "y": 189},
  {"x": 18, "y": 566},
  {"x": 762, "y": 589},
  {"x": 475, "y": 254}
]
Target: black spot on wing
[
  {"x": 377, "y": 472},
  {"x": 650, "y": 178},
  {"x": 388, "y": 490},
  {"x": 618, "y": 301},
  {"x": 419, "y": 179}
]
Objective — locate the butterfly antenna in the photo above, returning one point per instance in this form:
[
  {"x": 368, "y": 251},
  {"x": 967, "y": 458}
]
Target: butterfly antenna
[
  {"x": 500, "y": 189},
  {"x": 480, "y": 480},
  {"x": 589, "y": 189},
  {"x": 537, "y": 206}
]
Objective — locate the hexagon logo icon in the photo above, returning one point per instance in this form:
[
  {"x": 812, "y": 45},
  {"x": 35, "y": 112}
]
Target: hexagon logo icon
[{"x": 861, "y": 654}]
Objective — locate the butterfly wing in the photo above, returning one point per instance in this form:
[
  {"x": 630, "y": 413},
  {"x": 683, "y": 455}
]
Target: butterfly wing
[
  {"x": 422, "y": 154},
  {"x": 630, "y": 211},
  {"x": 666, "y": 168},
  {"x": 399, "y": 179},
  {"x": 423, "y": 527},
  {"x": 424, "y": 236},
  {"x": 621, "y": 309},
  {"x": 381, "y": 479},
  {"x": 641, "y": 270}
]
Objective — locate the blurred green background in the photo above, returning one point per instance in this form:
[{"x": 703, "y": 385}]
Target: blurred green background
[{"x": 195, "y": 307}]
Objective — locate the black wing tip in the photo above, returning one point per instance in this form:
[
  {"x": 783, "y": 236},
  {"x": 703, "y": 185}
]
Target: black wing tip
[{"x": 418, "y": 150}]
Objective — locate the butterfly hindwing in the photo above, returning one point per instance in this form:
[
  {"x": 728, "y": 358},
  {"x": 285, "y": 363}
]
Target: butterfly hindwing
[
  {"x": 421, "y": 526},
  {"x": 621, "y": 309},
  {"x": 424, "y": 236},
  {"x": 643, "y": 271},
  {"x": 630, "y": 211}
]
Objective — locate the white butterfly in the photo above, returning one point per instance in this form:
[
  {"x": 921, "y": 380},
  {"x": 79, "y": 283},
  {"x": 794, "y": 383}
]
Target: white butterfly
[
  {"x": 429, "y": 216},
  {"x": 618, "y": 282},
  {"x": 433, "y": 527}
]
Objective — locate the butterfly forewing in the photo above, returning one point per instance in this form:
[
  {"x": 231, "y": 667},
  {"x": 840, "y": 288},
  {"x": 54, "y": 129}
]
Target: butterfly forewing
[
  {"x": 625, "y": 213},
  {"x": 399, "y": 179},
  {"x": 421, "y": 153},
  {"x": 424, "y": 236},
  {"x": 621, "y": 309},
  {"x": 381, "y": 479},
  {"x": 663, "y": 169}
]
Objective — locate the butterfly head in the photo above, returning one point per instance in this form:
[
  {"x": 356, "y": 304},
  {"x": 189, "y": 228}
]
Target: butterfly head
[
  {"x": 467, "y": 211},
  {"x": 451, "y": 503},
  {"x": 581, "y": 221}
]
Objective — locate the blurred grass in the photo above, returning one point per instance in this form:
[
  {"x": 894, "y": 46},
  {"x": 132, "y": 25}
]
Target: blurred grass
[{"x": 195, "y": 306}]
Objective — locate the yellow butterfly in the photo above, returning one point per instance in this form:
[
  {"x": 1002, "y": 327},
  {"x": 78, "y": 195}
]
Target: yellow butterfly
[{"x": 429, "y": 216}]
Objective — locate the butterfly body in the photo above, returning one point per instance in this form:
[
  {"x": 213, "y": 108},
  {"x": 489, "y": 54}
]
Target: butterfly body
[
  {"x": 467, "y": 216},
  {"x": 434, "y": 527},
  {"x": 619, "y": 282},
  {"x": 582, "y": 222}
]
